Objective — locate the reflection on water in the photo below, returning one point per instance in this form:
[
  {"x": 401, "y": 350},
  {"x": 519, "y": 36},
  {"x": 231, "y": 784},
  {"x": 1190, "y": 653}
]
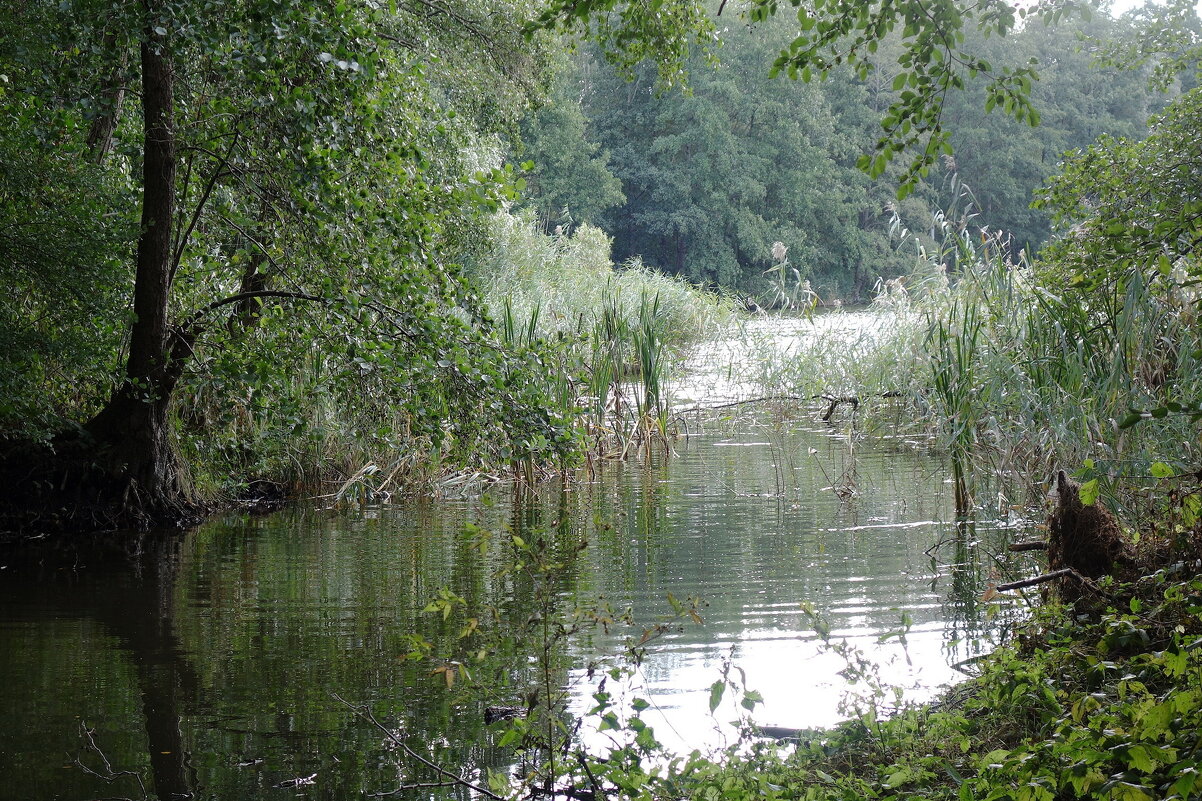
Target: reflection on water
[
  {"x": 754, "y": 554},
  {"x": 209, "y": 664}
]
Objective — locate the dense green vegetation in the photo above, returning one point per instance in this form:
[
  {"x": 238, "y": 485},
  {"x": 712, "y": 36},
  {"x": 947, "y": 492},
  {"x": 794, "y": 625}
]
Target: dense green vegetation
[
  {"x": 290, "y": 169},
  {"x": 260, "y": 244},
  {"x": 234, "y": 253},
  {"x": 712, "y": 177},
  {"x": 203, "y": 186}
]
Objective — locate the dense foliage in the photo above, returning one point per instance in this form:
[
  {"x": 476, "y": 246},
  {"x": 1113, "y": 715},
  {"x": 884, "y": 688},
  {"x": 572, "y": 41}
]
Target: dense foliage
[
  {"x": 714, "y": 176},
  {"x": 296, "y": 170}
]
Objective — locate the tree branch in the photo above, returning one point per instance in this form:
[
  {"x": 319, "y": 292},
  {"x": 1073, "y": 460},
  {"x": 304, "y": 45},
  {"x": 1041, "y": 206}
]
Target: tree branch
[
  {"x": 194, "y": 319},
  {"x": 1032, "y": 545},
  {"x": 262, "y": 248},
  {"x": 454, "y": 777},
  {"x": 468, "y": 24},
  {"x": 218, "y": 172}
]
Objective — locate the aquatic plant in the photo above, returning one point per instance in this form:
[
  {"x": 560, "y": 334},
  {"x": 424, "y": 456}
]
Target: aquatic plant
[
  {"x": 1028, "y": 378},
  {"x": 618, "y": 327},
  {"x": 1006, "y": 363}
]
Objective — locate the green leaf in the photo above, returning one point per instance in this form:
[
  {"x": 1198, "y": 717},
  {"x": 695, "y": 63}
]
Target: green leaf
[
  {"x": 899, "y": 777},
  {"x": 1131, "y": 419},
  {"x": 1140, "y": 757},
  {"x": 1089, "y": 492},
  {"x": 716, "y": 691},
  {"x": 1162, "y": 470}
]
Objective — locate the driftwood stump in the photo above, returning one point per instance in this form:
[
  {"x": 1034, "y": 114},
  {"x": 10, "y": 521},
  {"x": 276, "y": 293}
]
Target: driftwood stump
[{"x": 1084, "y": 538}]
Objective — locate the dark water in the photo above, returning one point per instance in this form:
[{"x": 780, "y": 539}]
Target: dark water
[{"x": 212, "y": 664}]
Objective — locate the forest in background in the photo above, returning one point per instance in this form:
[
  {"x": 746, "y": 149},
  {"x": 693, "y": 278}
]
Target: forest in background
[{"x": 700, "y": 183}]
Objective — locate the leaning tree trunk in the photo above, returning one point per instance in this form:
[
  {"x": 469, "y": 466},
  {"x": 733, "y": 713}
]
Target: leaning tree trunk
[
  {"x": 132, "y": 433},
  {"x": 112, "y": 95}
]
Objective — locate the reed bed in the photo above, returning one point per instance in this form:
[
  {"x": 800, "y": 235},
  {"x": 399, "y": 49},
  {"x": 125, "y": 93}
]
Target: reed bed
[
  {"x": 612, "y": 333},
  {"x": 1010, "y": 367},
  {"x": 566, "y": 282}
]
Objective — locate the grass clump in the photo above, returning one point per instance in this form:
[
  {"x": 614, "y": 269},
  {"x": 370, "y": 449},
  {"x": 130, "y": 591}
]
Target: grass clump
[{"x": 613, "y": 332}]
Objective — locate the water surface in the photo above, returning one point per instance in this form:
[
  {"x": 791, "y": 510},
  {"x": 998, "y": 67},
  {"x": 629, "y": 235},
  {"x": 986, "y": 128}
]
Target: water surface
[{"x": 216, "y": 664}]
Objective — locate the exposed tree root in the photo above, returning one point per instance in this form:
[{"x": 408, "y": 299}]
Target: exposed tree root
[
  {"x": 65, "y": 486},
  {"x": 1085, "y": 539}
]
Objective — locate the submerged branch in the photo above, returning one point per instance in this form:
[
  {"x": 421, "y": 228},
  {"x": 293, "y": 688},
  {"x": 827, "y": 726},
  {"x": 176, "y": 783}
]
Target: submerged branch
[
  {"x": 454, "y": 778},
  {"x": 414, "y": 786},
  {"x": 833, "y": 400},
  {"x": 763, "y": 399}
]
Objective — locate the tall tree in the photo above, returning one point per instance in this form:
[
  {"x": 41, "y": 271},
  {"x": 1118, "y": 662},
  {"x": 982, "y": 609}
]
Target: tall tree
[
  {"x": 932, "y": 59},
  {"x": 571, "y": 172},
  {"x": 289, "y": 154}
]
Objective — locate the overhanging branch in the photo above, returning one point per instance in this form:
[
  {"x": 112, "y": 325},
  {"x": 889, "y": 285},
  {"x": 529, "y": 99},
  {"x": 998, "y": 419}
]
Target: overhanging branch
[{"x": 194, "y": 325}]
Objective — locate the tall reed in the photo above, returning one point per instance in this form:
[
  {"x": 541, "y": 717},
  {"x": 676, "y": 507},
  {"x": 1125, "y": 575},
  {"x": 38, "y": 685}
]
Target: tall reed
[
  {"x": 1009, "y": 366},
  {"x": 1028, "y": 373},
  {"x": 618, "y": 327}
]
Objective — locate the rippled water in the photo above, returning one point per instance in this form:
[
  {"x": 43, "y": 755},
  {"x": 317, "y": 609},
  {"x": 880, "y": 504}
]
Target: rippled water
[{"x": 213, "y": 664}]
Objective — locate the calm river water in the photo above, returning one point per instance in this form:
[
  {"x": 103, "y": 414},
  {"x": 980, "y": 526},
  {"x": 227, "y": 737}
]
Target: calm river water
[{"x": 212, "y": 664}]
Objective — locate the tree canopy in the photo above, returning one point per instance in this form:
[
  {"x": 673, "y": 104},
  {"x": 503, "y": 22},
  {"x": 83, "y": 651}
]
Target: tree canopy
[
  {"x": 932, "y": 59},
  {"x": 298, "y": 176},
  {"x": 713, "y": 176}
]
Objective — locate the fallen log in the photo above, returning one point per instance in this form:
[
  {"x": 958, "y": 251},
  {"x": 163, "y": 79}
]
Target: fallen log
[
  {"x": 1031, "y": 545},
  {"x": 835, "y": 400},
  {"x": 1046, "y": 577}
]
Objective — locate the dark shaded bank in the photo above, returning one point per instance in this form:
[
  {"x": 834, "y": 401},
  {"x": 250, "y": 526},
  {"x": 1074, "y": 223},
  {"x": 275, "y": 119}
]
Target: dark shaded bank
[{"x": 71, "y": 485}]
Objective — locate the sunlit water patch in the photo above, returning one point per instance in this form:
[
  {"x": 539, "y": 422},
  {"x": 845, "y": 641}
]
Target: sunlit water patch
[{"x": 737, "y": 367}]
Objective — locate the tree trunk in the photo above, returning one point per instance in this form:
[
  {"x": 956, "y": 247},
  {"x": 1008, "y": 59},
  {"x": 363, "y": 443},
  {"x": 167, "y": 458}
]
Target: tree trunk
[
  {"x": 100, "y": 135},
  {"x": 132, "y": 432}
]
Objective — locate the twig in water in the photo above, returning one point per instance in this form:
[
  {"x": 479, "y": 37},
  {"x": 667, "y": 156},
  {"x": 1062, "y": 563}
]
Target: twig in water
[
  {"x": 963, "y": 664},
  {"x": 764, "y": 399},
  {"x": 299, "y": 781},
  {"x": 1031, "y": 582},
  {"x": 455, "y": 779},
  {"x": 109, "y": 774},
  {"x": 930, "y": 552}
]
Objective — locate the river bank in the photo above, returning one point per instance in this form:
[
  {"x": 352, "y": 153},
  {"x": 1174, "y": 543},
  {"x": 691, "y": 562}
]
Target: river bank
[{"x": 1101, "y": 705}]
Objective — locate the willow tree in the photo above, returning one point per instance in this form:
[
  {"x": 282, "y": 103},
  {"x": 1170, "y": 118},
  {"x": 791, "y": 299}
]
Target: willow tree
[{"x": 279, "y": 152}]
